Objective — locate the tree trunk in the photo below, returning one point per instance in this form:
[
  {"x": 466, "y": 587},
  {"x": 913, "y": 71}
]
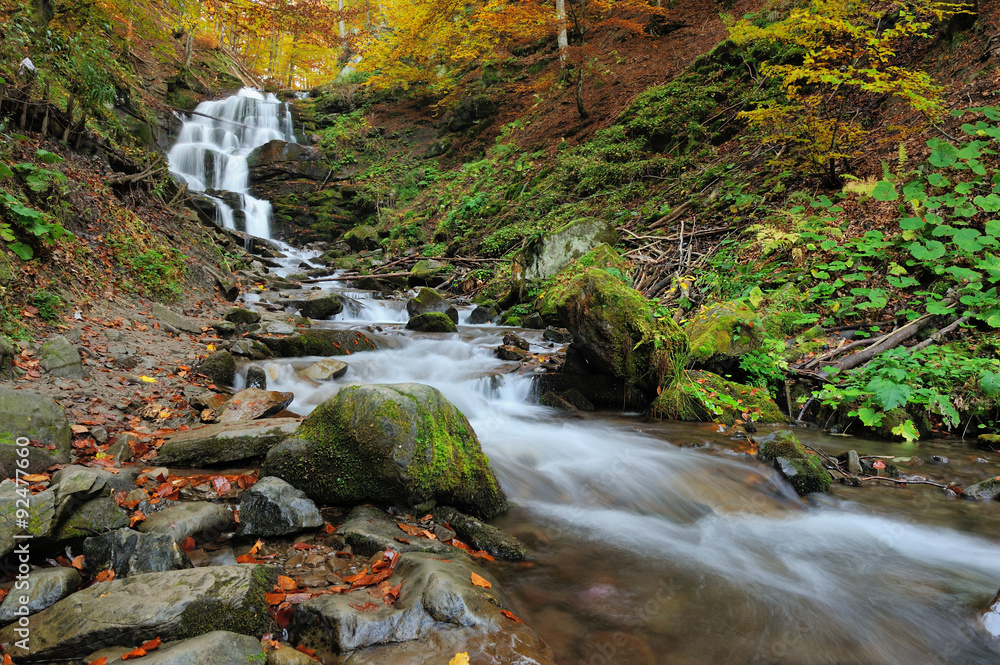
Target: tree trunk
[
  {"x": 579, "y": 95},
  {"x": 188, "y": 47},
  {"x": 69, "y": 112},
  {"x": 563, "y": 38},
  {"x": 343, "y": 30}
]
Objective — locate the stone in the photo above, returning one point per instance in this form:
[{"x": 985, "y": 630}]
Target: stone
[
  {"x": 276, "y": 328},
  {"x": 279, "y": 161},
  {"x": 41, "y": 518},
  {"x": 173, "y": 605},
  {"x": 200, "y": 520},
  {"x": 218, "y": 647},
  {"x": 483, "y": 314},
  {"x": 985, "y": 490},
  {"x": 8, "y": 352},
  {"x": 286, "y": 655},
  {"x": 361, "y": 237},
  {"x": 719, "y": 334},
  {"x": 327, "y": 369},
  {"x": 85, "y": 480},
  {"x": 322, "y": 307},
  {"x": 45, "y": 587},
  {"x": 557, "y": 335},
  {"x": 678, "y": 400},
  {"x": 432, "y": 322},
  {"x": 512, "y": 353},
  {"x": 428, "y": 300},
  {"x": 533, "y": 321},
  {"x": 392, "y": 444},
  {"x": 577, "y": 399},
  {"x": 170, "y": 317},
  {"x": 60, "y": 358},
  {"x": 426, "y": 271},
  {"x": 565, "y": 245},
  {"x": 256, "y": 377},
  {"x": 24, "y": 413},
  {"x": 224, "y": 329},
  {"x": 318, "y": 343},
  {"x": 369, "y": 530},
  {"x": 220, "y": 367},
  {"x": 225, "y": 442},
  {"x": 241, "y": 316},
  {"x": 129, "y": 552},
  {"x": 801, "y": 468},
  {"x": 272, "y": 507},
  {"x": 95, "y": 515},
  {"x": 481, "y": 536},
  {"x": 553, "y": 400},
  {"x": 253, "y": 403},
  {"x": 513, "y": 339},
  {"x": 853, "y": 463}
]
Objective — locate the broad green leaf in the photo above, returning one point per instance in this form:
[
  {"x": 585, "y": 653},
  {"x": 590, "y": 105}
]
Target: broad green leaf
[
  {"x": 885, "y": 191},
  {"x": 22, "y": 250},
  {"x": 938, "y": 180},
  {"x": 989, "y": 203},
  {"x": 989, "y": 382},
  {"x": 966, "y": 240},
  {"x": 938, "y": 308},
  {"x": 963, "y": 274},
  {"x": 755, "y": 297},
  {"x": 907, "y": 430},
  {"x": 5, "y": 171},
  {"x": 927, "y": 252},
  {"x": 966, "y": 209},
  {"x": 942, "y": 153},
  {"x": 870, "y": 417},
  {"x": 48, "y": 157},
  {"x": 889, "y": 393}
]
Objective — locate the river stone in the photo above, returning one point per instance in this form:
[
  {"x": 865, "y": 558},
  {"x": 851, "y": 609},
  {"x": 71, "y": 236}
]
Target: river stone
[
  {"x": 272, "y": 507},
  {"x": 240, "y": 315},
  {"x": 225, "y": 442},
  {"x": 512, "y": 353},
  {"x": 46, "y": 586},
  {"x": 554, "y": 400},
  {"x": 986, "y": 490},
  {"x": 41, "y": 519},
  {"x": 40, "y": 419},
  {"x": 557, "y": 335},
  {"x": 990, "y": 621},
  {"x": 276, "y": 328},
  {"x": 563, "y": 246},
  {"x": 279, "y": 161},
  {"x": 399, "y": 444},
  {"x": 256, "y": 377},
  {"x": 481, "y": 536},
  {"x": 368, "y": 530},
  {"x": 428, "y": 300},
  {"x": 129, "y": 552},
  {"x": 172, "y": 318},
  {"x": 286, "y": 655},
  {"x": 440, "y": 611},
  {"x": 253, "y": 403},
  {"x": 432, "y": 322},
  {"x": 7, "y": 354},
  {"x": 321, "y": 308},
  {"x": 326, "y": 370},
  {"x": 60, "y": 358},
  {"x": 219, "y": 647},
  {"x": 92, "y": 516},
  {"x": 220, "y": 367},
  {"x": 173, "y": 605},
  {"x": 76, "y": 479},
  {"x": 317, "y": 343},
  {"x": 483, "y": 314},
  {"x": 200, "y": 520},
  {"x": 577, "y": 399},
  {"x": 426, "y": 269},
  {"x": 721, "y": 333},
  {"x": 513, "y": 339},
  {"x": 853, "y": 463},
  {"x": 801, "y": 468}
]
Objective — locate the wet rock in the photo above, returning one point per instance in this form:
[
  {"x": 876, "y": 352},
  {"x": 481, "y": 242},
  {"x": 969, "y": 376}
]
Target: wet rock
[
  {"x": 577, "y": 399},
  {"x": 7, "y": 354},
  {"x": 241, "y": 316},
  {"x": 361, "y": 237},
  {"x": 432, "y": 322},
  {"x": 60, "y": 358},
  {"x": 483, "y": 314},
  {"x": 224, "y": 329},
  {"x": 318, "y": 343},
  {"x": 721, "y": 333},
  {"x": 220, "y": 367},
  {"x": 276, "y": 328},
  {"x": 853, "y": 463},
  {"x": 253, "y": 403},
  {"x": 218, "y": 647},
  {"x": 426, "y": 271},
  {"x": 553, "y": 400},
  {"x": 200, "y": 520},
  {"x": 511, "y": 353},
  {"x": 92, "y": 516},
  {"x": 24, "y": 413},
  {"x": 986, "y": 490},
  {"x": 286, "y": 655},
  {"x": 45, "y": 587},
  {"x": 129, "y": 552},
  {"x": 279, "y": 161},
  {"x": 393, "y": 444},
  {"x": 321, "y": 308},
  {"x": 40, "y": 522},
  {"x": 565, "y": 245},
  {"x": 801, "y": 468},
  {"x": 272, "y": 507},
  {"x": 481, "y": 536},
  {"x": 172, "y": 318},
  {"x": 170, "y": 605},
  {"x": 225, "y": 442},
  {"x": 83, "y": 480},
  {"x": 256, "y": 377},
  {"x": 327, "y": 369},
  {"x": 990, "y": 621},
  {"x": 427, "y": 301},
  {"x": 369, "y": 530},
  {"x": 939, "y": 459},
  {"x": 533, "y": 321},
  {"x": 513, "y": 339},
  {"x": 557, "y": 335}
]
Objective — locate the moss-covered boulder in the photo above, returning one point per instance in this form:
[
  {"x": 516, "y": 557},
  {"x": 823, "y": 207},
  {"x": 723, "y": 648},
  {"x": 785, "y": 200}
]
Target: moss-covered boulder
[
  {"x": 557, "y": 249},
  {"x": 434, "y": 322},
  {"x": 242, "y": 316},
  {"x": 985, "y": 490},
  {"x": 361, "y": 237},
  {"x": 37, "y": 417},
  {"x": 428, "y": 300},
  {"x": 614, "y": 327},
  {"x": 799, "y": 466},
  {"x": 317, "y": 342},
  {"x": 723, "y": 332},
  {"x": 400, "y": 444},
  {"x": 425, "y": 269},
  {"x": 701, "y": 396},
  {"x": 220, "y": 367},
  {"x": 322, "y": 307}
]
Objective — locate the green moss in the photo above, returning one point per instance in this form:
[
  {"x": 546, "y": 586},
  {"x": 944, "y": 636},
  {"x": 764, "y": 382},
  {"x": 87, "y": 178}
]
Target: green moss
[
  {"x": 726, "y": 329},
  {"x": 705, "y": 397},
  {"x": 801, "y": 468},
  {"x": 435, "y": 322},
  {"x": 249, "y": 618}
]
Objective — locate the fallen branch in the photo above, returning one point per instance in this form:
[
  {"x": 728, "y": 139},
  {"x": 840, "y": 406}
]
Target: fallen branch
[
  {"x": 939, "y": 334},
  {"x": 667, "y": 219},
  {"x": 886, "y": 342}
]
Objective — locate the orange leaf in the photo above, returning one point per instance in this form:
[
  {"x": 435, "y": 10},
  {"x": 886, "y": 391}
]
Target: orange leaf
[
  {"x": 34, "y": 477},
  {"x": 103, "y": 660},
  {"x": 482, "y": 555},
  {"x": 134, "y": 653},
  {"x": 246, "y": 558},
  {"x": 78, "y": 562},
  {"x": 367, "y": 607},
  {"x": 481, "y": 581},
  {"x": 302, "y": 546},
  {"x": 274, "y": 598},
  {"x": 151, "y": 645},
  {"x": 105, "y": 575},
  {"x": 306, "y": 650},
  {"x": 188, "y": 544},
  {"x": 328, "y": 527},
  {"x": 79, "y": 429},
  {"x": 256, "y": 547},
  {"x": 510, "y": 615},
  {"x": 287, "y": 583},
  {"x": 137, "y": 517}
]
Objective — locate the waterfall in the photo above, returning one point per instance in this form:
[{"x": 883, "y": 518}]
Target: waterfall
[{"x": 210, "y": 154}]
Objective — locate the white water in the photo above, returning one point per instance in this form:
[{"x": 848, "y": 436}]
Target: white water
[{"x": 211, "y": 153}]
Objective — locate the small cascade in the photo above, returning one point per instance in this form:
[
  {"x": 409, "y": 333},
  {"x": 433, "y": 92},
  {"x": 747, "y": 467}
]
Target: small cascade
[{"x": 210, "y": 154}]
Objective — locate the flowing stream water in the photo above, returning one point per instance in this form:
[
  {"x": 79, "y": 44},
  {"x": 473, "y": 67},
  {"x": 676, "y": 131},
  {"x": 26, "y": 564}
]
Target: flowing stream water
[{"x": 661, "y": 542}]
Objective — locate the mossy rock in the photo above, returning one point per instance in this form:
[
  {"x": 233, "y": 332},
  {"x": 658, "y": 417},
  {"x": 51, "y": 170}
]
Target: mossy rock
[
  {"x": 791, "y": 459},
  {"x": 433, "y": 322},
  {"x": 986, "y": 490},
  {"x": 614, "y": 327},
  {"x": 361, "y": 237},
  {"x": 220, "y": 367},
  {"x": 701, "y": 396},
  {"x": 242, "y": 316},
  {"x": 318, "y": 342},
  {"x": 427, "y": 268},
  {"x": 401, "y": 444},
  {"x": 569, "y": 243},
  {"x": 723, "y": 332},
  {"x": 428, "y": 300}
]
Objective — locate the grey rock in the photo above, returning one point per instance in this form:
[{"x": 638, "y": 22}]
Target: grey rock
[
  {"x": 220, "y": 367},
  {"x": 427, "y": 301},
  {"x": 559, "y": 248},
  {"x": 240, "y": 315},
  {"x": 242, "y": 347},
  {"x": 256, "y": 377},
  {"x": 513, "y": 339},
  {"x": 172, "y": 318},
  {"x": 129, "y": 552},
  {"x": 533, "y": 321},
  {"x": 432, "y": 322},
  {"x": 171, "y": 605},
  {"x": 24, "y": 413},
  {"x": 986, "y": 490},
  {"x": 853, "y": 463},
  {"x": 200, "y": 520},
  {"x": 226, "y": 442},
  {"x": 512, "y": 353},
  {"x": 369, "y": 530},
  {"x": 321, "y": 308},
  {"x": 277, "y": 328},
  {"x": 286, "y": 655},
  {"x": 60, "y": 358},
  {"x": 42, "y": 513},
  {"x": 272, "y": 507},
  {"x": 253, "y": 403},
  {"x": 218, "y": 647},
  {"x": 557, "y": 335},
  {"x": 481, "y": 536},
  {"x": 483, "y": 314},
  {"x": 553, "y": 400},
  {"x": 326, "y": 370},
  {"x": 575, "y": 397},
  {"x": 46, "y": 586},
  {"x": 92, "y": 516}
]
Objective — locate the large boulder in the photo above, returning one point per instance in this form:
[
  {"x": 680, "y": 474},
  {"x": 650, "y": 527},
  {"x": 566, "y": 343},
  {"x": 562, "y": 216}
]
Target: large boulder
[
  {"x": 225, "y": 442},
  {"x": 45, "y": 587},
  {"x": 399, "y": 444},
  {"x": 701, "y": 396},
  {"x": 253, "y": 403},
  {"x": 327, "y": 369},
  {"x": 321, "y": 307},
  {"x": 558, "y": 249},
  {"x": 614, "y": 328},
  {"x": 800, "y": 467},
  {"x": 369, "y": 530},
  {"x": 129, "y": 552},
  {"x": 175, "y": 320},
  {"x": 428, "y": 300},
  {"x": 172, "y": 605},
  {"x": 433, "y": 322},
  {"x": 37, "y": 417},
  {"x": 317, "y": 343},
  {"x": 60, "y": 358},
  {"x": 720, "y": 334},
  {"x": 220, "y": 367},
  {"x": 272, "y": 507},
  {"x": 219, "y": 647},
  {"x": 281, "y": 161},
  {"x": 199, "y": 519}
]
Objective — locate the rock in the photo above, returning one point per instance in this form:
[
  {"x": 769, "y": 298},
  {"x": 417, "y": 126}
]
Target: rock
[
  {"x": 513, "y": 339},
  {"x": 60, "y": 358},
  {"x": 200, "y": 520},
  {"x": 323, "y": 307},
  {"x": 577, "y": 399},
  {"x": 46, "y": 586},
  {"x": 990, "y": 621},
  {"x": 256, "y": 377},
  {"x": 553, "y": 400},
  {"x": 327, "y": 369},
  {"x": 253, "y": 403},
  {"x": 512, "y": 353},
  {"x": 129, "y": 552},
  {"x": 241, "y": 316},
  {"x": 92, "y": 516},
  {"x": 279, "y": 161},
  {"x": 985, "y": 490},
  {"x": 318, "y": 343},
  {"x": 440, "y": 613},
  {"x": 369, "y": 530},
  {"x": 171, "y": 605},
  {"x": 168, "y": 316},
  {"x": 801, "y": 468},
  {"x": 40, "y": 521},
  {"x": 482, "y": 536},
  {"x": 24, "y": 413},
  {"x": 483, "y": 314},
  {"x": 988, "y": 441},
  {"x": 426, "y": 271},
  {"x": 433, "y": 322},
  {"x": 225, "y": 329},
  {"x": 428, "y": 300},
  {"x": 286, "y": 655},
  {"x": 614, "y": 327},
  {"x": 392, "y": 444},
  {"x": 272, "y": 507},
  {"x": 721, "y": 333},
  {"x": 853, "y": 463},
  {"x": 557, "y": 335},
  {"x": 276, "y": 328},
  {"x": 218, "y": 647},
  {"x": 84, "y": 480},
  {"x": 693, "y": 396},
  {"x": 7, "y": 354},
  {"x": 361, "y": 237},
  {"x": 563, "y": 246},
  {"x": 225, "y": 442},
  {"x": 220, "y": 367},
  {"x": 533, "y": 321}
]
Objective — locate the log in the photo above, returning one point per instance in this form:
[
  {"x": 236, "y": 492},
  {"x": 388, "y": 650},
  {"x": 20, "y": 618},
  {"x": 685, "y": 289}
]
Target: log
[{"x": 885, "y": 343}]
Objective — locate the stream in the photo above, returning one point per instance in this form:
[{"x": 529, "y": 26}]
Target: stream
[{"x": 663, "y": 542}]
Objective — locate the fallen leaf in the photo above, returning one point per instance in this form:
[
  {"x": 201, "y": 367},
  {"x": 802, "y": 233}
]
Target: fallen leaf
[
  {"x": 188, "y": 544},
  {"x": 287, "y": 583},
  {"x": 148, "y": 379},
  {"x": 137, "y": 517},
  {"x": 367, "y": 607},
  {"x": 510, "y": 615},
  {"x": 246, "y": 558},
  {"x": 151, "y": 645},
  {"x": 460, "y": 659},
  {"x": 105, "y": 576},
  {"x": 79, "y": 429},
  {"x": 34, "y": 477},
  {"x": 306, "y": 650},
  {"x": 103, "y": 660},
  {"x": 274, "y": 598},
  {"x": 478, "y": 580},
  {"x": 134, "y": 653},
  {"x": 256, "y": 547},
  {"x": 78, "y": 562},
  {"x": 328, "y": 527}
]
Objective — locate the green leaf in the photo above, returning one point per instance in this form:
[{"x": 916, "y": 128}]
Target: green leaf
[
  {"x": 870, "y": 417},
  {"x": 885, "y": 191},
  {"x": 942, "y": 153},
  {"x": 989, "y": 383},
  {"x": 938, "y": 308},
  {"x": 889, "y": 393},
  {"x": 989, "y": 203},
  {"x": 927, "y": 252},
  {"x": 966, "y": 240},
  {"x": 938, "y": 180},
  {"x": 966, "y": 209},
  {"x": 48, "y": 157},
  {"x": 907, "y": 430},
  {"x": 755, "y": 297},
  {"x": 963, "y": 274},
  {"x": 5, "y": 171},
  {"x": 22, "y": 250}
]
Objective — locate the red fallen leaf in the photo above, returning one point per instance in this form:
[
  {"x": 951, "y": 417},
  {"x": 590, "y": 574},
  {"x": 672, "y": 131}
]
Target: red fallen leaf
[
  {"x": 135, "y": 653},
  {"x": 402, "y": 540},
  {"x": 352, "y": 578},
  {"x": 78, "y": 562},
  {"x": 306, "y": 650},
  {"x": 151, "y": 645},
  {"x": 246, "y": 558},
  {"x": 479, "y": 580},
  {"x": 510, "y": 615},
  {"x": 329, "y": 528},
  {"x": 221, "y": 485},
  {"x": 64, "y": 562},
  {"x": 256, "y": 547},
  {"x": 482, "y": 555},
  {"x": 105, "y": 576},
  {"x": 137, "y": 517},
  {"x": 79, "y": 429},
  {"x": 165, "y": 489},
  {"x": 103, "y": 660},
  {"x": 188, "y": 544},
  {"x": 274, "y": 598},
  {"x": 302, "y": 546},
  {"x": 426, "y": 518},
  {"x": 455, "y": 542},
  {"x": 367, "y": 607},
  {"x": 35, "y": 477},
  {"x": 3, "y": 593},
  {"x": 287, "y": 583},
  {"x": 409, "y": 530},
  {"x": 298, "y": 598},
  {"x": 392, "y": 595},
  {"x": 283, "y": 617},
  {"x": 441, "y": 560}
]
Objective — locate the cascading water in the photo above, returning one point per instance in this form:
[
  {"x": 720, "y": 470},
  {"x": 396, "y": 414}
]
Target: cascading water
[{"x": 210, "y": 154}]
